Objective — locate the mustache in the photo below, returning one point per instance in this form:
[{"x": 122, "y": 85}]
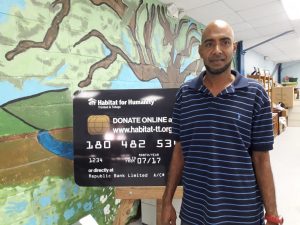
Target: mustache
[{"x": 217, "y": 58}]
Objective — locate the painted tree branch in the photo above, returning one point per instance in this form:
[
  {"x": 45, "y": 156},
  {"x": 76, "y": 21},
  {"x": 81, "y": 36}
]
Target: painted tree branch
[
  {"x": 192, "y": 28},
  {"x": 181, "y": 23},
  {"x": 50, "y": 36},
  {"x": 138, "y": 69},
  {"x": 116, "y": 5},
  {"x": 104, "y": 63},
  {"x": 187, "y": 50},
  {"x": 132, "y": 27},
  {"x": 132, "y": 23},
  {"x": 148, "y": 32},
  {"x": 196, "y": 66},
  {"x": 143, "y": 70},
  {"x": 169, "y": 36},
  {"x": 119, "y": 8},
  {"x": 190, "y": 42}
]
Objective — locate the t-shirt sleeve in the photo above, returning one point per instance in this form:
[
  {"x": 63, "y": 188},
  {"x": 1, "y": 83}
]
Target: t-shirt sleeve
[{"x": 262, "y": 129}]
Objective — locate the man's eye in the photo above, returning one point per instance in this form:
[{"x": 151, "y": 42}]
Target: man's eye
[
  {"x": 226, "y": 42},
  {"x": 208, "y": 45}
]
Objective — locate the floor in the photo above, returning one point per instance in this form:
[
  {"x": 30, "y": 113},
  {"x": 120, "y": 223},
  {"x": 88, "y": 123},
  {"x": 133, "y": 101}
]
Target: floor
[
  {"x": 285, "y": 160},
  {"x": 286, "y": 168}
]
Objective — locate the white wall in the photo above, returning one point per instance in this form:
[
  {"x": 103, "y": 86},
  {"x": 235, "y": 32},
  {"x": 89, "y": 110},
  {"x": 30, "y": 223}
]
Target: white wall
[
  {"x": 251, "y": 59},
  {"x": 291, "y": 69}
]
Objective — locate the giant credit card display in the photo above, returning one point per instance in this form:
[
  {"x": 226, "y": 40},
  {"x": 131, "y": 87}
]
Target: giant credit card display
[{"x": 122, "y": 137}]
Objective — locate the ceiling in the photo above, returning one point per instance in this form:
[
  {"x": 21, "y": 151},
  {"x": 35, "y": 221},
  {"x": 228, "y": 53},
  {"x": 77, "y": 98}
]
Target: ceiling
[{"x": 253, "y": 21}]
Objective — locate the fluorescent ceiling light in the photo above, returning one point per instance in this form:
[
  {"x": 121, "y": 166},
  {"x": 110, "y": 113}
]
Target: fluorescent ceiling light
[{"x": 292, "y": 8}]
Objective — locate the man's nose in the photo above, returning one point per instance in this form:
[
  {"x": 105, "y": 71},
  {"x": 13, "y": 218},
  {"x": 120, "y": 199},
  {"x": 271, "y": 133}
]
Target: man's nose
[{"x": 217, "y": 49}]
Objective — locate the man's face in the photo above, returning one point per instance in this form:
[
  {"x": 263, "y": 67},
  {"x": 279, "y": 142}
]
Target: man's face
[{"x": 217, "y": 49}]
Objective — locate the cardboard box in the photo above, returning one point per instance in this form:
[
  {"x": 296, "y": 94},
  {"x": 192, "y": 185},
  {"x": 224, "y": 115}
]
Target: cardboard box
[
  {"x": 285, "y": 113},
  {"x": 284, "y": 95}
]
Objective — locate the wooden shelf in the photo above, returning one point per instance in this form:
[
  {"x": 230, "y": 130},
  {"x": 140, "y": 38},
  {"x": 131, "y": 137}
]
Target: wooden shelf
[
  {"x": 275, "y": 119},
  {"x": 265, "y": 80}
]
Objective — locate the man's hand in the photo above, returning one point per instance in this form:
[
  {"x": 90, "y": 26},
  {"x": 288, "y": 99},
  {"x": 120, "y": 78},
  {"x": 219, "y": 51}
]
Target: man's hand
[
  {"x": 270, "y": 223},
  {"x": 168, "y": 215}
]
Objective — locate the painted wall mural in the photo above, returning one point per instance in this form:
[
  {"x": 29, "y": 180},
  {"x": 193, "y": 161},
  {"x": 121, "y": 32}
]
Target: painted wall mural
[{"x": 50, "y": 49}]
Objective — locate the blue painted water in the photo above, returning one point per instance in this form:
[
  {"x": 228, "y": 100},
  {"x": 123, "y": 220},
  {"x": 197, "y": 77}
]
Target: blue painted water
[
  {"x": 69, "y": 213},
  {"x": 45, "y": 201},
  {"x": 187, "y": 61},
  {"x": 6, "y": 5},
  {"x": 128, "y": 80},
  {"x": 87, "y": 206},
  {"x": 31, "y": 221},
  {"x": 126, "y": 42},
  {"x": 105, "y": 50},
  {"x": 57, "y": 147},
  {"x": 16, "y": 207},
  {"x": 9, "y": 91},
  {"x": 31, "y": 86}
]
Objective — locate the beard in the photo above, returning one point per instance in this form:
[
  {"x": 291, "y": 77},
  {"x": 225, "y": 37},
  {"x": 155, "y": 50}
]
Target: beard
[{"x": 219, "y": 70}]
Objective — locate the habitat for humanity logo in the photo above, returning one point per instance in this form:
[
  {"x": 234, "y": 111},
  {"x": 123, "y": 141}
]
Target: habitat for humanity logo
[{"x": 92, "y": 101}]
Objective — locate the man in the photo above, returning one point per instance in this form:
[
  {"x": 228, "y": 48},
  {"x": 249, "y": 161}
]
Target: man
[{"x": 222, "y": 124}]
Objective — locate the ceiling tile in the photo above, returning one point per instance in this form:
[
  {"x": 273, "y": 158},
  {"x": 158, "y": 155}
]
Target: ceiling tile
[
  {"x": 241, "y": 27},
  {"x": 189, "y": 4},
  {"x": 269, "y": 20},
  {"x": 246, "y": 35},
  {"x": 232, "y": 18},
  {"x": 290, "y": 46},
  {"x": 270, "y": 50},
  {"x": 275, "y": 29},
  {"x": 267, "y": 9},
  {"x": 242, "y": 4},
  {"x": 204, "y": 14},
  {"x": 290, "y": 37},
  {"x": 254, "y": 41},
  {"x": 263, "y": 48}
]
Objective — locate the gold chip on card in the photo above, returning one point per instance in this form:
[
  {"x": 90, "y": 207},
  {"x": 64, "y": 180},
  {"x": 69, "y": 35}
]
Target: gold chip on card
[{"x": 98, "y": 124}]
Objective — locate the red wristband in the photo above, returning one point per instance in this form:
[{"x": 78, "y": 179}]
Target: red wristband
[{"x": 274, "y": 219}]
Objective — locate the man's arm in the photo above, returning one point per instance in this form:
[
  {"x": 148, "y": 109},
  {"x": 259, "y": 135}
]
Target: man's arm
[
  {"x": 264, "y": 177},
  {"x": 168, "y": 215}
]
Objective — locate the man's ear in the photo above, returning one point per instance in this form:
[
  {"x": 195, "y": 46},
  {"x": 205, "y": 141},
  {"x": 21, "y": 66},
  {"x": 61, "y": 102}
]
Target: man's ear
[
  {"x": 234, "y": 46},
  {"x": 199, "y": 50}
]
